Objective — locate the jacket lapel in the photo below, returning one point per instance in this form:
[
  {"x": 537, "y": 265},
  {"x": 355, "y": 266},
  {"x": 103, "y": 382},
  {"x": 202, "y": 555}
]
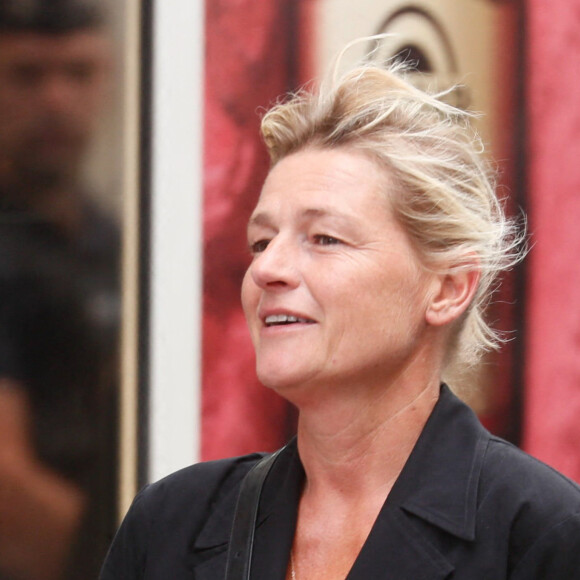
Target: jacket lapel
[
  {"x": 209, "y": 549},
  {"x": 396, "y": 550}
]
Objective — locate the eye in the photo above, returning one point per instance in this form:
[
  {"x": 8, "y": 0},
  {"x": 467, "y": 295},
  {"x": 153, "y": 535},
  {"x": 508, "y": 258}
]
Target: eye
[
  {"x": 325, "y": 240},
  {"x": 259, "y": 246},
  {"x": 27, "y": 75}
]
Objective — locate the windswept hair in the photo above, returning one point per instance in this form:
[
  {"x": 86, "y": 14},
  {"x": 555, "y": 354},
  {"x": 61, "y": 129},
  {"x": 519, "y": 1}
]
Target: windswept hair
[{"x": 444, "y": 191}]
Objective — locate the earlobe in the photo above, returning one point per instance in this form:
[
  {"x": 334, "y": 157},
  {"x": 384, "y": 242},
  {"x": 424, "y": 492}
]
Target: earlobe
[{"x": 453, "y": 295}]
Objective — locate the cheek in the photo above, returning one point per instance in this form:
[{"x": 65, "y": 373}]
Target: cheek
[
  {"x": 385, "y": 294},
  {"x": 249, "y": 296}
]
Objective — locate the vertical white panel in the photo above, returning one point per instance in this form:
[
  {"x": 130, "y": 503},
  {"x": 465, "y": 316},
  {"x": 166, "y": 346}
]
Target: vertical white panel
[{"x": 176, "y": 235}]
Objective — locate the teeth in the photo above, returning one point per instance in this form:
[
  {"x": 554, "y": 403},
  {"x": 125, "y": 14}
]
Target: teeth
[{"x": 283, "y": 319}]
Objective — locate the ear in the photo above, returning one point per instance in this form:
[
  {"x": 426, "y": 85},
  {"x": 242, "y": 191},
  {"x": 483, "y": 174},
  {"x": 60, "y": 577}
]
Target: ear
[{"x": 453, "y": 293}]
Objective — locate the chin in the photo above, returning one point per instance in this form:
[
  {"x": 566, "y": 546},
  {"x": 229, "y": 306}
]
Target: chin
[
  {"x": 276, "y": 383},
  {"x": 281, "y": 382}
]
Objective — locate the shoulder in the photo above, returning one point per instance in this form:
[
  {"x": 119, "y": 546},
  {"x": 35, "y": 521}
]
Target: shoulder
[
  {"x": 540, "y": 507},
  {"x": 189, "y": 491},
  {"x": 204, "y": 482},
  {"x": 540, "y": 488},
  {"x": 172, "y": 512}
]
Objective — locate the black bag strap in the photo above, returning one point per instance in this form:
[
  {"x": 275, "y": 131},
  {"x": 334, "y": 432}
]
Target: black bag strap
[{"x": 242, "y": 536}]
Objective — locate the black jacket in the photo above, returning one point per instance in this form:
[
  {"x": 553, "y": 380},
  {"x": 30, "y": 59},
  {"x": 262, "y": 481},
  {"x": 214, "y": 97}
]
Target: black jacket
[{"x": 467, "y": 505}]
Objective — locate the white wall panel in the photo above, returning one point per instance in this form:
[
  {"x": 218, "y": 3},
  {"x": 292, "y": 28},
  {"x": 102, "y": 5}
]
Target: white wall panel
[{"x": 175, "y": 309}]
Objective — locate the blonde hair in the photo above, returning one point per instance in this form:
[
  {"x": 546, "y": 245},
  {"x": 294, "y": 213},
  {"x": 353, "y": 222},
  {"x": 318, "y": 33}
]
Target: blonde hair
[{"x": 444, "y": 191}]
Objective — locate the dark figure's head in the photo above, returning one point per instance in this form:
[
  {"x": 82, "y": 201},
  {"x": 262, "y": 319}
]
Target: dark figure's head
[{"x": 54, "y": 72}]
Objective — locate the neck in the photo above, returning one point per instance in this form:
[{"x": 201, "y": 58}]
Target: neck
[{"x": 359, "y": 445}]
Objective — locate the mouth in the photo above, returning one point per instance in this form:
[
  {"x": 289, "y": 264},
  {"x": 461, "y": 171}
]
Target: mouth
[{"x": 285, "y": 319}]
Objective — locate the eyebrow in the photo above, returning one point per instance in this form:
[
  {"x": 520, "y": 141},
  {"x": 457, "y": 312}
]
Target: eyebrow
[
  {"x": 263, "y": 218},
  {"x": 259, "y": 219}
]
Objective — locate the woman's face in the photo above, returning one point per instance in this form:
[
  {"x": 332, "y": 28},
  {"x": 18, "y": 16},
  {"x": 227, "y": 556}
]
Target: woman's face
[{"x": 335, "y": 293}]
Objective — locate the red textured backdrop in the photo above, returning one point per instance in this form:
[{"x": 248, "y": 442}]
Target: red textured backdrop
[
  {"x": 552, "y": 410},
  {"x": 248, "y": 65}
]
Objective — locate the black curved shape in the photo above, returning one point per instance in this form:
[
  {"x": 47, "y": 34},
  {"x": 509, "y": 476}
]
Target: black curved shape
[{"x": 421, "y": 12}]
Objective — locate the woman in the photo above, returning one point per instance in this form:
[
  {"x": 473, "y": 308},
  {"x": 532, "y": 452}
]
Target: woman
[{"x": 375, "y": 242}]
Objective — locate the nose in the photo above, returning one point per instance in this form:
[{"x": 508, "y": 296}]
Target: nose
[
  {"x": 59, "y": 92},
  {"x": 277, "y": 266}
]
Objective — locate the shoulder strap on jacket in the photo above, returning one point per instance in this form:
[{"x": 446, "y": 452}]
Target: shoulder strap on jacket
[{"x": 242, "y": 536}]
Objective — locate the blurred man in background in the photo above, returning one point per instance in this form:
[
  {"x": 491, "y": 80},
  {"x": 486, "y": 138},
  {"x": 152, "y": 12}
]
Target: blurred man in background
[{"x": 59, "y": 295}]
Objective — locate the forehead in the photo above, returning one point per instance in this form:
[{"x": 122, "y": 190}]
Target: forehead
[
  {"x": 36, "y": 47},
  {"x": 340, "y": 176}
]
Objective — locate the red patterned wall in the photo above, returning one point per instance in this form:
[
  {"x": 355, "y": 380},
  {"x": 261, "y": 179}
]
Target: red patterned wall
[{"x": 552, "y": 410}]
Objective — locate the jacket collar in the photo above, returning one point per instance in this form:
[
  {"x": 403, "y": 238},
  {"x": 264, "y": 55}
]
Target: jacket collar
[
  {"x": 438, "y": 484},
  {"x": 440, "y": 479}
]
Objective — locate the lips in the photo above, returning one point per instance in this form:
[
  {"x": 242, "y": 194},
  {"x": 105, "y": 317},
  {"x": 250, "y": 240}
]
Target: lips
[{"x": 284, "y": 319}]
